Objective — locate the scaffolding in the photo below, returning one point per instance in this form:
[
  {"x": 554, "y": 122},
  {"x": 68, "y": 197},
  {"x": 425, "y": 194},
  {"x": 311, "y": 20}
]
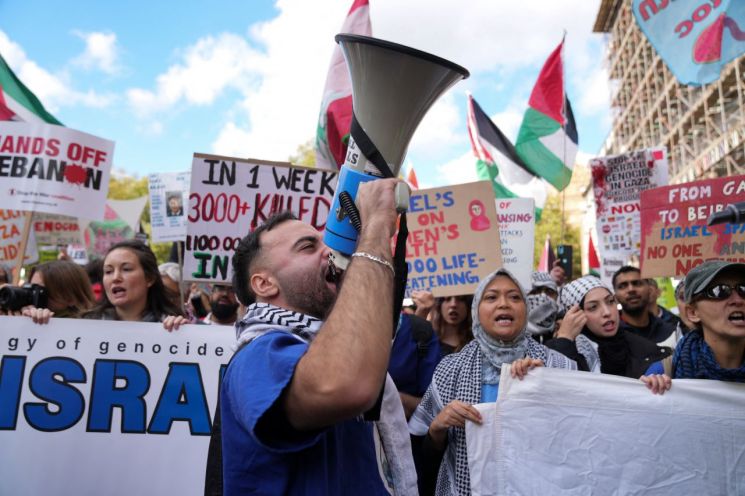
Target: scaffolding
[{"x": 703, "y": 128}]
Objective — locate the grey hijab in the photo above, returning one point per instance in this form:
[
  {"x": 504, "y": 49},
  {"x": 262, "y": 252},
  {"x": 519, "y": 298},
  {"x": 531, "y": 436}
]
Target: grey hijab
[{"x": 495, "y": 351}]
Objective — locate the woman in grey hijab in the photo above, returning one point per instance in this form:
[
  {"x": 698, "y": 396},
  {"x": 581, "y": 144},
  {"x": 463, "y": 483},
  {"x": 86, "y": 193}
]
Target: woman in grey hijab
[{"x": 471, "y": 376}]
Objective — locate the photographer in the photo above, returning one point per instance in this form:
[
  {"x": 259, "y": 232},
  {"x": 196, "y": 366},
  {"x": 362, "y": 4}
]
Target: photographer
[{"x": 58, "y": 288}]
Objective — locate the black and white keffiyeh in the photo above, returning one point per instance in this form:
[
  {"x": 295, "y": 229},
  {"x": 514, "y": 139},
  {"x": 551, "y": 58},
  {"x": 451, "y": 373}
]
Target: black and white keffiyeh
[
  {"x": 574, "y": 292},
  {"x": 261, "y": 318},
  {"x": 459, "y": 376}
]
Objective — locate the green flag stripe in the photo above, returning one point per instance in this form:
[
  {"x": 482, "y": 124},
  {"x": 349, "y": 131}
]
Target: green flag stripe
[
  {"x": 488, "y": 172},
  {"x": 14, "y": 88},
  {"x": 544, "y": 163},
  {"x": 535, "y": 125}
]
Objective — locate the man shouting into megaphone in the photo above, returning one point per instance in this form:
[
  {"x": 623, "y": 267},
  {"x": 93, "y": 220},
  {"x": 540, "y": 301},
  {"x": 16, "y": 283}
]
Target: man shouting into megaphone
[{"x": 313, "y": 350}]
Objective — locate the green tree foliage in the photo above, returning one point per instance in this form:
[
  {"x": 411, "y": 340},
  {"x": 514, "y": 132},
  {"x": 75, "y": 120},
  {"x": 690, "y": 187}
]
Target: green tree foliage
[
  {"x": 550, "y": 224},
  {"x": 305, "y": 154},
  {"x": 128, "y": 188}
]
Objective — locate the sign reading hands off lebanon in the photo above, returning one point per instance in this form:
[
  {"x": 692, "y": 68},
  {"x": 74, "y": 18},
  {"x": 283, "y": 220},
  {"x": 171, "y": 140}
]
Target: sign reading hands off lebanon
[
  {"x": 453, "y": 238},
  {"x": 115, "y": 408},
  {"x": 230, "y": 197},
  {"x": 54, "y": 169},
  {"x": 602, "y": 435},
  {"x": 675, "y": 237}
]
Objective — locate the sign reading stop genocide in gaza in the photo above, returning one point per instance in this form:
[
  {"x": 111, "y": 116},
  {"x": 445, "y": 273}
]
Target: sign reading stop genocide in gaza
[
  {"x": 675, "y": 234},
  {"x": 230, "y": 197},
  {"x": 54, "y": 169}
]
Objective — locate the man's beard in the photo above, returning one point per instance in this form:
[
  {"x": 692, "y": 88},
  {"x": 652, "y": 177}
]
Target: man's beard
[
  {"x": 637, "y": 309},
  {"x": 309, "y": 295},
  {"x": 224, "y": 311}
]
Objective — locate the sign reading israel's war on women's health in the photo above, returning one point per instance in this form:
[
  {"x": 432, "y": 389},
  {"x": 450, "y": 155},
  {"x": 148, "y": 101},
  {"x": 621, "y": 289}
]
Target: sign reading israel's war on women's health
[
  {"x": 54, "y": 169},
  {"x": 675, "y": 235},
  {"x": 453, "y": 238},
  {"x": 230, "y": 197}
]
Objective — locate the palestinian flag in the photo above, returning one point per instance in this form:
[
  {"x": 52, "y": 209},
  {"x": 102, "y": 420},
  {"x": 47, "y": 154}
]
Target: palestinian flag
[
  {"x": 335, "y": 119},
  {"x": 497, "y": 161},
  {"x": 593, "y": 261},
  {"x": 18, "y": 102},
  {"x": 546, "y": 263},
  {"x": 547, "y": 141}
]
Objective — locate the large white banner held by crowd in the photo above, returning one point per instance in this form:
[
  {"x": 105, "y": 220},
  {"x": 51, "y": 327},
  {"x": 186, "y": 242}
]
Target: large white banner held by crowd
[
  {"x": 48, "y": 168},
  {"x": 115, "y": 408},
  {"x": 565, "y": 432},
  {"x": 230, "y": 197}
]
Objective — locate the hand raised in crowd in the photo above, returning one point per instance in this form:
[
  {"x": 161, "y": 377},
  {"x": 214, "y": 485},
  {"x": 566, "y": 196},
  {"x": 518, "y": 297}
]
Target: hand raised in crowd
[
  {"x": 38, "y": 315},
  {"x": 572, "y": 324},
  {"x": 519, "y": 368},
  {"x": 557, "y": 273},
  {"x": 173, "y": 322},
  {"x": 657, "y": 383},
  {"x": 424, "y": 301},
  {"x": 377, "y": 206}
]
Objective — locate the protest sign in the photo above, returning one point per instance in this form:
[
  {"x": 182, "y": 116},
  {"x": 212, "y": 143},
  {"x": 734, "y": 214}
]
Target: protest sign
[
  {"x": 695, "y": 38},
  {"x": 601, "y": 434},
  {"x": 11, "y": 238},
  {"x": 230, "y": 197},
  {"x": 116, "y": 408},
  {"x": 169, "y": 193},
  {"x": 675, "y": 237},
  {"x": 57, "y": 230},
  {"x": 617, "y": 182},
  {"x": 516, "y": 218},
  {"x": 49, "y": 168},
  {"x": 453, "y": 238},
  {"x": 121, "y": 221}
]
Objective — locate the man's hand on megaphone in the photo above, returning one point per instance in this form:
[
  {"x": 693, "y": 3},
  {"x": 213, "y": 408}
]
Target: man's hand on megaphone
[{"x": 377, "y": 206}]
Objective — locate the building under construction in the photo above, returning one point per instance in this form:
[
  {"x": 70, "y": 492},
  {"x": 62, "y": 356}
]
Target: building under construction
[{"x": 703, "y": 128}]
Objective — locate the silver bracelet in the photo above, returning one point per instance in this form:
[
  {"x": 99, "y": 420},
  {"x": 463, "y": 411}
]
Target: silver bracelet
[{"x": 375, "y": 259}]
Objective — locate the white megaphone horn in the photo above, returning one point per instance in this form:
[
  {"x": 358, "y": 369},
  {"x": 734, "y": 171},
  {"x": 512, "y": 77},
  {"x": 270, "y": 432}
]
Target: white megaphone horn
[{"x": 393, "y": 87}]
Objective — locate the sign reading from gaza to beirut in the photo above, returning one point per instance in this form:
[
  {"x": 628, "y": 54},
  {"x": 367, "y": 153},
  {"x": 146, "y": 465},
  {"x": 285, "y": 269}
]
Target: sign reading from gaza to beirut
[
  {"x": 101, "y": 407},
  {"x": 230, "y": 197},
  {"x": 675, "y": 237},
  {"x": 54, "y": 169},
  {"x": 453, "y": 238}
]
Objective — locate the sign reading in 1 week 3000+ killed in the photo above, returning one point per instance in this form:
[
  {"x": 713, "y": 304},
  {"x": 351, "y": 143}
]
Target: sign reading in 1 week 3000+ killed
[
  {"x": 453, "y": 238},
  {"x": 230, "y": 197}
]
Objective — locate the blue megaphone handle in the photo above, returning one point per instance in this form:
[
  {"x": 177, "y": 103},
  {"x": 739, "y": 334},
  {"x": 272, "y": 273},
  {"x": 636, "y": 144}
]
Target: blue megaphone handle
[{"x": 341, "y": 235}]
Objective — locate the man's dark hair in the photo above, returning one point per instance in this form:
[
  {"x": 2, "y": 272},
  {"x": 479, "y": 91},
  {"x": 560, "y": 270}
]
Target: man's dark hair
[
  {"x": 247, "y": 251},
  {"x": 624, "y": 270}
]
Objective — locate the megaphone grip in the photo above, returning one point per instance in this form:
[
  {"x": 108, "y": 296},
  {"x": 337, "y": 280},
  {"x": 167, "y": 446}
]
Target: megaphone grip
[{"x": 347, "y": 203}]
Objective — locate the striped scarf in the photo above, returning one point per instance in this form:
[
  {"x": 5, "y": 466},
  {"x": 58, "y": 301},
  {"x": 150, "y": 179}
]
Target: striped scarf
[
  {"x": 694, "y": 360},
  {"x": 263, "y": 317}
]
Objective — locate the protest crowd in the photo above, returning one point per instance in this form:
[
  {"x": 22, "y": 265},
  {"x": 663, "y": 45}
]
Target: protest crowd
[{"x": 383, "y": 339}]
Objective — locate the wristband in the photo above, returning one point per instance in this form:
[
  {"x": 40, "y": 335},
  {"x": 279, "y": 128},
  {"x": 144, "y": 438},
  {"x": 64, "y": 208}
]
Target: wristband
[{"x": 375, "y": 259}]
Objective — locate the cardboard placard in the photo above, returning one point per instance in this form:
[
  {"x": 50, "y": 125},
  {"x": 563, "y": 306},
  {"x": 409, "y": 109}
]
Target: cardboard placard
[
  {"x": 49, "y": 168},
  {"x": 453, "y": 238},
  {"x": 169, "y": 192},
  {"x": 617, "y": 182},
  {"x": 517, "y": 236},
  {"x": 230, "y": 197},
  {"x": 675, "y": 237},
  {"x": 11, "y": 238}
]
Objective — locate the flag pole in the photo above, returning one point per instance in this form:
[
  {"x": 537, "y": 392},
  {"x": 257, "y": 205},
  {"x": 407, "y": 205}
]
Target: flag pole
[
  {"x": 22, "y": 249},
  {"x": 563, "y": 127}
]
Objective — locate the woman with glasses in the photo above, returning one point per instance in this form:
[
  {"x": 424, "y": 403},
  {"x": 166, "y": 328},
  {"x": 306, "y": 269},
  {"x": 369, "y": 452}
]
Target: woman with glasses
[
  {"x": 591, "y": 310},
  {"x": 715, "y": 349}
]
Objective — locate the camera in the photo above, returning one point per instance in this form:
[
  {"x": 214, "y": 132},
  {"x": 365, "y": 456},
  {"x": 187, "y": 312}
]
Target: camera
[{"x": 13, "y": 298}]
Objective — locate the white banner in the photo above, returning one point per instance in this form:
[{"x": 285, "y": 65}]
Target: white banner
[
  {"x": 617, "y": 183},
  {"x": 49, "y": 168},
  {"x": 230, "y": 197},
  {"x": 169, "y": 192},
  {"x": 101, "y": 407},
  {"x": 568, "y": 432},
  {"x": 516, "y": 218}
]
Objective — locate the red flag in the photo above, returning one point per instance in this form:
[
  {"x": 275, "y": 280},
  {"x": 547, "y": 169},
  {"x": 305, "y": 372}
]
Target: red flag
[
  {"x": 547, "y": 257},
  {"x": 335, "y": 119},
  {"x": 592, "y": 258}
]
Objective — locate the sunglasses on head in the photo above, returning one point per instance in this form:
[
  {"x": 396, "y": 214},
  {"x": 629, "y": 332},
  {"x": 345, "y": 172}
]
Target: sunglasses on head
[{"x": 722, "y": 291}]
